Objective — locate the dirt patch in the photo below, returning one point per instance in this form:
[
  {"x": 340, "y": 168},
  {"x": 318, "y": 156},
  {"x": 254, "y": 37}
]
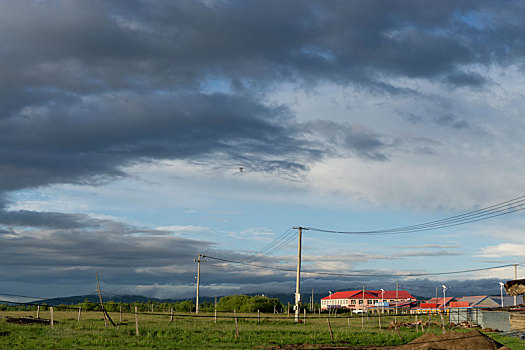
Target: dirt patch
[
  {"x": 27, "y": 320},
  {"x": 327, "y": 347},
  {"x": 473, "y": 340}
]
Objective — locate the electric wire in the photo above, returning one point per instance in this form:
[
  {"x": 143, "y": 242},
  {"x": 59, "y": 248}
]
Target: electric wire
[
  {"x": 273, "y": 246},
  {"x": 503, "y": 208},
  {"x": 283, "y": 244}
]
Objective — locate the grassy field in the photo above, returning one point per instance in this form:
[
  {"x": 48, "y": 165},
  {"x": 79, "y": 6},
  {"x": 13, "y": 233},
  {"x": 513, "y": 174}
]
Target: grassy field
[{"x": 186, "y": 332}]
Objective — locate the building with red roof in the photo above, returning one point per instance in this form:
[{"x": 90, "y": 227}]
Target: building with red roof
[{"x": 364, "y": 300}]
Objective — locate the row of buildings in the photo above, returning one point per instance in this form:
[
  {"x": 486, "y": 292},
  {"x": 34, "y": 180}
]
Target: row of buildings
[{"x": 394, "y": 301}]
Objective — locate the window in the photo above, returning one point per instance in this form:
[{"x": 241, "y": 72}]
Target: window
[
  {"x": 370, "y": 302},
  {"x": 361, "y": 302},
  {"x": 353, "y": 302}
]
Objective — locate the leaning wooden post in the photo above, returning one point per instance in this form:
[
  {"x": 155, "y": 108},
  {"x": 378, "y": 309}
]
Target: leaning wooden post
[
  {"x": 171, "y": 315},
  {"x": 136, "y": 322},
  {"x": 236, "y": 325},
  {"x": 38, "y": 311},
  {"x": 215, "y": 316},
  {"x": 288, "y": 308},
  {"x": 258, "y": 316},
  {"x": 397, "y": 330},
  {"x": 51, "y": 316},
  {"x": 330, "y": 329},
  {"x": 101, "y": 303},
  {"x": 79, "y": 312}
]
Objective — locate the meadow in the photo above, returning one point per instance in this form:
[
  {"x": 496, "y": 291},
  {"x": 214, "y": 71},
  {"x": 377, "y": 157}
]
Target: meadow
[{"x": 203, "y": 332}]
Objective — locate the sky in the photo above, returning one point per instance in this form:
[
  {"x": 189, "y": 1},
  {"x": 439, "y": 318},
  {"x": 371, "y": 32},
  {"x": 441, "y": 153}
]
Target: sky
[{"x": 136, "y": 135}]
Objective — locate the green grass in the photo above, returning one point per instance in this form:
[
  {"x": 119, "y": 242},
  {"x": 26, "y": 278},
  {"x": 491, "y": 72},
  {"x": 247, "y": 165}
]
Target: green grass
[{"x": 156, "y": 332}]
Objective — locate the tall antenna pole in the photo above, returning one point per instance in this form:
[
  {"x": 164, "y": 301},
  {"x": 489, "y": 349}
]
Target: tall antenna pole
[
  {"x": 298, "y": 277},
  {"x": 198, "y": 261}
]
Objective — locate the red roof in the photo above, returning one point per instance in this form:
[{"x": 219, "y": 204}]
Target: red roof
[
  {"x": 459, "y": 304},
  {"x": 439, "y": 301},
  {"x": 428, "y": 305},
  {"x": 392, "y": 294},
  {"x": 370, "y": 294}
]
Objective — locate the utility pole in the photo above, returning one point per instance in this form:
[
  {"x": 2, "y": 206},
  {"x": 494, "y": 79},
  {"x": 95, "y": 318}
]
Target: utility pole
[
  {"x": 198, "y": 261},
  {"x": 298, "y": 277},
  {"x": 397, "y": 295},
  {"x": 515, "y": 278},
  {"x": 313, "y": 303}
]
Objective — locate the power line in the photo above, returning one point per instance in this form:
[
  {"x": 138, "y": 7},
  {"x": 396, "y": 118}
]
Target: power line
[
  {"x": 273, "y": 246},
  {"x": 503, "y": 208},
  {"x": 283, "y": 244},
  {"x": 362, "y": 275}
]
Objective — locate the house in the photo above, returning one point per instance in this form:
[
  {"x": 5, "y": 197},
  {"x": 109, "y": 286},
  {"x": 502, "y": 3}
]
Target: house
[
  {"x": 433, "y": 306},
  {"x": 479, "y": 301},
  {"x": 364, "y": 300}
]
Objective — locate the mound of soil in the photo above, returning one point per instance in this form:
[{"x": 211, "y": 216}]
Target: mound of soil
[{"x": 473, "y": 340}]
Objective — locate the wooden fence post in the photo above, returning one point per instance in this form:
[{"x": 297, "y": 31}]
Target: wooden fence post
[
  {"x": 305, "y": 315},
  {"x": 79, "y": 312},
  {"x": 215, "y": 316},
  {"x": 136, "y": 322},
  {"x": 51, "y": 316},
  {"x": 330, "y": 329},
  {"x": 171, "y": 315},
  {"x": 38, "y": 311},
  {"x": 258, "y": 316},
  {"x": 236, "y": 325}
]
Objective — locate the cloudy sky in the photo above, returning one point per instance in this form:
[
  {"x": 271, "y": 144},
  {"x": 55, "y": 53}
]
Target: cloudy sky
[{"x": 124, "y": 125}]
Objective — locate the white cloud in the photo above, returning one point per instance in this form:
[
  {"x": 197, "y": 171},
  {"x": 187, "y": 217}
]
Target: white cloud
[{"x": 503, "y": 250}]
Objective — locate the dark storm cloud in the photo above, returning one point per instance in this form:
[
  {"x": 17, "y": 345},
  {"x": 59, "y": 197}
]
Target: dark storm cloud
[
  {"x": 89, "y": 87},
  {"x": 105, "y": 245},
  {"x": 92, "y": 140}
]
